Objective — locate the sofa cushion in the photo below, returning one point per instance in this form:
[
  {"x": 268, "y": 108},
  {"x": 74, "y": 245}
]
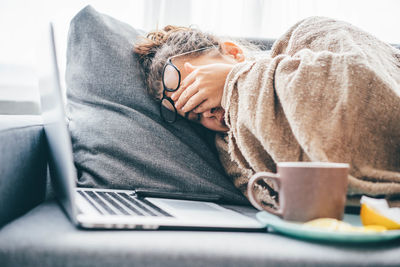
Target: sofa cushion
[
  {"x": 119, "y": 140},
  {"x": 23, "y": 165},
  {"x": 45, "y": 237}
]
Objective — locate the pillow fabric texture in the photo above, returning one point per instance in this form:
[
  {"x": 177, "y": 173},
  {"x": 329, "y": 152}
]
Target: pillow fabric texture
[{"x": 119, "y": 139}]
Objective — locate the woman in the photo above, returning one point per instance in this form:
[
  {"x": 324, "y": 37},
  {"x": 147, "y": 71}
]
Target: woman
[
  {"x": 186, "y": 50},
  {"x": 327, "y": 91}
]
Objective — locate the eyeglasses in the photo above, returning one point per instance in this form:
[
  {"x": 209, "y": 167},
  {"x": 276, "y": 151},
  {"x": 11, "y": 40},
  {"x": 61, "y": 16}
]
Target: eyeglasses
[{"x": 171, "y": 80}]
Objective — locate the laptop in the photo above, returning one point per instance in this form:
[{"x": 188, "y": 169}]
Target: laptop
[{"x": 109, "y": 208}]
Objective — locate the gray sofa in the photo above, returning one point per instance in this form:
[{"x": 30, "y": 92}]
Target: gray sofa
[{"x": 34, "y": 231}]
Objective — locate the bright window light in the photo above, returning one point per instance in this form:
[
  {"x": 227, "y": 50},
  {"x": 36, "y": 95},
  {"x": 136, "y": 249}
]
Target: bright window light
[{"x": 21, "y": 21}]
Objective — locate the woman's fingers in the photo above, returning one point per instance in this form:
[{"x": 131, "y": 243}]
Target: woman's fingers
[
  {"x": 190, "y": 78},
  {"x": 204, "y": 106},
  {"x": 186, "y": 95},
  {"x": 193, "y": 102},
  {"x": 202, "y": 88},
  {"x": 184, "y": 84}
]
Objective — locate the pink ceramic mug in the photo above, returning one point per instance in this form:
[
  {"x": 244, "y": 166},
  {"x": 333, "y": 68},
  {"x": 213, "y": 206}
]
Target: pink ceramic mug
[{"x": 307, "y": 190}]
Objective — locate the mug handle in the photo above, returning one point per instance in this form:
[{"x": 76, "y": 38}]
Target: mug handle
[{"x": 253, "y": 200}]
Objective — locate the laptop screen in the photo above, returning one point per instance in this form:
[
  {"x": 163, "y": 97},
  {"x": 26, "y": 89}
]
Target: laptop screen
[{"x": 62, "y": 169}]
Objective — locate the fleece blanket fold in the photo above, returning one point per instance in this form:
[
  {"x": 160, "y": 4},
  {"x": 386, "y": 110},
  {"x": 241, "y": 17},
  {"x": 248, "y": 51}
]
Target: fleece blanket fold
[{"x": 327, "y": 91}]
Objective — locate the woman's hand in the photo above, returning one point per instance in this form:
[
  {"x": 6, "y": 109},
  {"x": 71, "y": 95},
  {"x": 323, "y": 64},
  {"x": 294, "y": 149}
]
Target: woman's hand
[{"x": 203, "y": 87}]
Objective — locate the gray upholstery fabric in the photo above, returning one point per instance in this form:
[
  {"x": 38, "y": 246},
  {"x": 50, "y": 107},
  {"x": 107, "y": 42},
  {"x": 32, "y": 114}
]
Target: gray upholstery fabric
[
  {"x": 119, "y": 140},
  {"x": 45, "y": 237},
  {"x": 23, "y": 163}
]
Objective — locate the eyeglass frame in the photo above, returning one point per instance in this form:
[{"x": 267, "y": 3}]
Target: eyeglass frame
[{"x": 165, "y": 88}]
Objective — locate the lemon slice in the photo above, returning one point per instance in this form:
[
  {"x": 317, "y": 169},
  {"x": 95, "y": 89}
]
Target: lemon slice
[
  {"x": 328, "y": 224},
  {"x": 374, "y": 228},
  {"x": 340, "y": 226},
  {"x": 372, "y": 217},
  {"x": 375, "y": 215}
]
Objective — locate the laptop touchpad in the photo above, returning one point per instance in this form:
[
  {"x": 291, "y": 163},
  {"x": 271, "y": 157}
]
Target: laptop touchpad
[
  {"x": 191, "y": 208},
  {"x": 190, "y": 205}
]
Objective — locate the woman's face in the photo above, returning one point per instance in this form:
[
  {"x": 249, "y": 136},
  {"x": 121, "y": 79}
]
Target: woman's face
[{"x": 212, "y": 119}]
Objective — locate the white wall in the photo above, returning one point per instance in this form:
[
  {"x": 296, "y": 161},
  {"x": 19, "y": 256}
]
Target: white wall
[{"x": 21, "y": 21}]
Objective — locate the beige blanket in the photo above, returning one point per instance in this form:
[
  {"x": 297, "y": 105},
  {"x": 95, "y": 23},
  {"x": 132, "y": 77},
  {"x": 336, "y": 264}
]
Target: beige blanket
[{"x": 327, "y": 91}]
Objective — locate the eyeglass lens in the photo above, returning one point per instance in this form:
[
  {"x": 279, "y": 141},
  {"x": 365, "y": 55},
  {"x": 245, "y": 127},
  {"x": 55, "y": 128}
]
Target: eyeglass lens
[
  {"x": 168, "y": 110},
  {"x": 171, "y": 78}
]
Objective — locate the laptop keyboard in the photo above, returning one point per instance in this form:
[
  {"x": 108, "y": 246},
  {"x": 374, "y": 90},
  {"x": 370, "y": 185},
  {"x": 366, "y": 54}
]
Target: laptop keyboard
[{"x": 121, "y": 203}]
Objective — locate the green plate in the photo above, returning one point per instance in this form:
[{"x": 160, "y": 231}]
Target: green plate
[{"x": 300, "y": 231}]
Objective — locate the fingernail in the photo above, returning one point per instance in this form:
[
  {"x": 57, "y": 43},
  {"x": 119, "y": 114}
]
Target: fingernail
[{"x": 173, "y": 96}]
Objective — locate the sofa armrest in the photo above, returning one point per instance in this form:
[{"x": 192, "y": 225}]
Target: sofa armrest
[{"x": 23, "y": 165}]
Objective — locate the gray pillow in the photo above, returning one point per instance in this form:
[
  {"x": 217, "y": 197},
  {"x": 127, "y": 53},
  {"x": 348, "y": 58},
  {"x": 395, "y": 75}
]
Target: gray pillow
[{"x": 119, "y": 140}]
